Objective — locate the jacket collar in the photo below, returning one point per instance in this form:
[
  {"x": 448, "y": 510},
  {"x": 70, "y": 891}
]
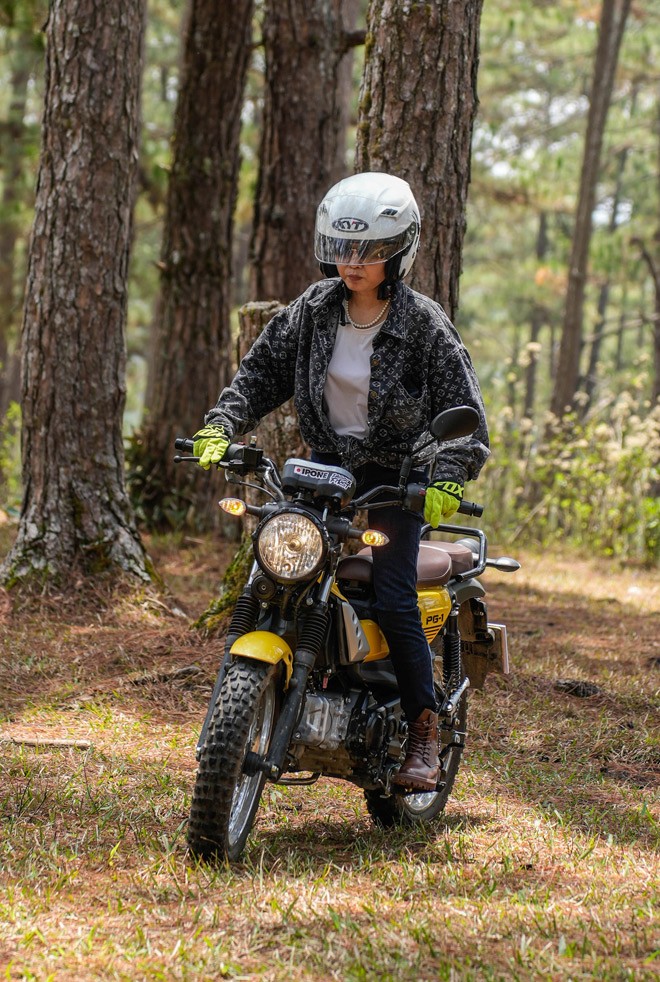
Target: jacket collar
[{"x": 330, "y": 293}]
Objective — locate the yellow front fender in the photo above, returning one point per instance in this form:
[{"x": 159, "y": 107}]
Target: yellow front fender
[{"x": 264, "y": 646}]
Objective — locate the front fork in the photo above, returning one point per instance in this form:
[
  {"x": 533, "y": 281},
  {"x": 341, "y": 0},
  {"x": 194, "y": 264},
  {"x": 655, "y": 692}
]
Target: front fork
[
  {"x": 312, "y": 636},
  {"x": 243, "y": 620}
]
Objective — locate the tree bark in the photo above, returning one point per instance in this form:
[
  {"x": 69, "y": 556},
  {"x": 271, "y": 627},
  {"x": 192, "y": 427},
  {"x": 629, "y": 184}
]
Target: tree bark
[
  {"x": 303, "y": 144},
  {"x": 13, "y": 152},
  {"x": 612, "y": 24},
  {"x": 417, "y": 107},
  {"x": 538, "y": 319},
  {"x": 76, "y": 519},
  {"x": 591, "y": 377},
  {"x": 654, "y": 270},
  {"x": 191, "y": 358}
]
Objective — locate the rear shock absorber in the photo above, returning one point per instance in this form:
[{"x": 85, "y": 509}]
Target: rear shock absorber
[
  {"x": 454, "y": 679},
  {"x": 452, "y": 666}
]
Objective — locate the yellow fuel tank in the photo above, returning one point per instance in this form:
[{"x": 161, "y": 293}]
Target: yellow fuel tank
[{"x": 434, "y": 606}]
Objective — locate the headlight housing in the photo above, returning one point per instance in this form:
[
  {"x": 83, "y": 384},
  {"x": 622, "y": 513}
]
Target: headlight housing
[{"x": 291, "y": 546}]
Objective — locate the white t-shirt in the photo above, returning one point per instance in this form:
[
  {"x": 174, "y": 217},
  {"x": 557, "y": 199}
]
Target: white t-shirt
[{"x": 347, "y": 385}]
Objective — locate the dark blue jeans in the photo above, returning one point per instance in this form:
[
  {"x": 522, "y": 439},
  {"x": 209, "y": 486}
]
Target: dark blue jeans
[{"x": 395, "y": 586}]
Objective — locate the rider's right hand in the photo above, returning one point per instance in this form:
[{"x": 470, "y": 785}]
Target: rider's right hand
[{"x": 210, "y": 445}]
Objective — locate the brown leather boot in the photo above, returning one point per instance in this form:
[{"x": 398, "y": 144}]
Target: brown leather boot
[{"x": 419, "y": 771}]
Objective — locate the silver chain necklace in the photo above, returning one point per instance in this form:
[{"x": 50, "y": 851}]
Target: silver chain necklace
[{"x": 363, "y": 327}]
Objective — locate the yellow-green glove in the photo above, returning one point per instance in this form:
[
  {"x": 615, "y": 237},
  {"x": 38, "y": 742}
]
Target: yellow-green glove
[
  {"x": 442, "y": 501},
  {"x": 210, "y": 445}
]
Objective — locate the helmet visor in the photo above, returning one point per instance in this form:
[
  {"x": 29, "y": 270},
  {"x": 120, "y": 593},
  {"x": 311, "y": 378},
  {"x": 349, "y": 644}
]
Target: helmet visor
[{"x": 357, "y": 252}]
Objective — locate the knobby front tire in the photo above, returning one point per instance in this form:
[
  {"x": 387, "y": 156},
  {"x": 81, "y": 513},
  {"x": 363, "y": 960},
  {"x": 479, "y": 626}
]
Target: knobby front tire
[{"x": 225, "y": 800}]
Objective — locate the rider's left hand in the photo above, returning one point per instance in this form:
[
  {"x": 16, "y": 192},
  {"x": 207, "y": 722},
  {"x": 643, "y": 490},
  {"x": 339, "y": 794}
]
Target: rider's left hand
[
  {"x": 442, "y": 501},
  {"x": 210, "y": 445}
]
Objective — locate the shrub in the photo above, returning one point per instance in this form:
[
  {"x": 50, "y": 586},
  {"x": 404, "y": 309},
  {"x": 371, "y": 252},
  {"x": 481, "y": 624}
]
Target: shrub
[
  {"x": 593, "y": 484},
  {"x": 10, "y": 459}
]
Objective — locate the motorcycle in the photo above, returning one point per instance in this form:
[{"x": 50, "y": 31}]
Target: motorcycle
[{"x": 306, "y": 687}]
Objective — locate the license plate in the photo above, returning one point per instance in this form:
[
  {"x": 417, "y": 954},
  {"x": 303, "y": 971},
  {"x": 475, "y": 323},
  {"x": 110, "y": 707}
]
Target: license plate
[{"x": 481, "y": 657}]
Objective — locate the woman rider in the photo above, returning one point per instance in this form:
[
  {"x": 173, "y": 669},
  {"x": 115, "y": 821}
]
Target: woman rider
[{"x": 369, "y": 363}]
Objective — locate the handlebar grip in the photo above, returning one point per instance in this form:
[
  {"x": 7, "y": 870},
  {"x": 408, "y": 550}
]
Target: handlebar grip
[
  {"x": 471, "y": 508},
  {"x": 234, "y": 450}
]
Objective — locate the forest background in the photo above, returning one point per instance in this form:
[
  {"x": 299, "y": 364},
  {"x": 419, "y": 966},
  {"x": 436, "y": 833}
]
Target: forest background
[
  {"x": 546, "y": 862},
  {"x": 587, "y": 472}
]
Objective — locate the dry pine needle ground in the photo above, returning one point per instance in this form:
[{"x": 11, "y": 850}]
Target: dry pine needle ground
[{"x": 545, "y": 866}]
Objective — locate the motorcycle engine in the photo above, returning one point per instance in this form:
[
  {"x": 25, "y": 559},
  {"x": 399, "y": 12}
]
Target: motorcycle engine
[
  {"x": 347, "y": 734},
  {"x": 325, "y": 719}
]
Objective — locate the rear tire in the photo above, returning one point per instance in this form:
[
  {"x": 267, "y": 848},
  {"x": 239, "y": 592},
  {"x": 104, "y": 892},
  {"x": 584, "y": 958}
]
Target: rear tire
[
  {"x": 225, "y": 799},
  {"x": 419, "y": 808}
]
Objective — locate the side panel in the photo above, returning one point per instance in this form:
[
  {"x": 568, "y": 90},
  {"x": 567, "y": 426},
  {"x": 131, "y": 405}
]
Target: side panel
[
  {"x": 435, "y": 607},
  {"x": 377, "y": 644}
]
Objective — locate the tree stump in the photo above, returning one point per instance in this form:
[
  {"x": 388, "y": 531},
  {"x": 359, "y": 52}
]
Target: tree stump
[
  {"x": 278, "y": 433},
  {"x": 279, "y": 436}
]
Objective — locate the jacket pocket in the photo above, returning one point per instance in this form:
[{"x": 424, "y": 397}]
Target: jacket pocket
[{"x": 406, "y": 411}]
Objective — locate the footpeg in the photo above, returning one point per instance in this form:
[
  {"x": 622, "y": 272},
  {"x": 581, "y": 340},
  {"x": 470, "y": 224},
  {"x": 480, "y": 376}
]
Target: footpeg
[{"x": 450, "y": 705}]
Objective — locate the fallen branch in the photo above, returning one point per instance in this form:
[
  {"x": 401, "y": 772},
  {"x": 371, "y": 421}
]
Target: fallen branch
[{"x": 44, "y": 742}]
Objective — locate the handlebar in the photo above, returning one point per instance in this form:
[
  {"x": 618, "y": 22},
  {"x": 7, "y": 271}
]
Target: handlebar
[
  {"x": 471, "y": 508},
  {"x": 414, "y": 499},
  {"x": 251, "y": 458},
  {"x": 234, "y": 452}
]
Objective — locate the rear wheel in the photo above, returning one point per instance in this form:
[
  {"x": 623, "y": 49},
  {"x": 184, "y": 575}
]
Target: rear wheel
[
  {"x": 424, "y": 806},
  {"x": 225, "y": 799}
]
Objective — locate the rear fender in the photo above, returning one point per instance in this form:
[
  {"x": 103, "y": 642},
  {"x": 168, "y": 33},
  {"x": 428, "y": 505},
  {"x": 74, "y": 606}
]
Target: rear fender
[
  {"x": 467, "y": 590},
  {"x": 264, "y": 646}
]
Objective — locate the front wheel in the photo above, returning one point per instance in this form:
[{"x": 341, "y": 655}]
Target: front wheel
[
  {"x": 225, "y": 799},
  {"x": 422, "y": 807}
]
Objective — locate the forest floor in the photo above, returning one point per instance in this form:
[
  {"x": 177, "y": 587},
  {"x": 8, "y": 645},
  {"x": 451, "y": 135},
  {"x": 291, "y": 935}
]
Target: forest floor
[{"x": 545, "y": 865}]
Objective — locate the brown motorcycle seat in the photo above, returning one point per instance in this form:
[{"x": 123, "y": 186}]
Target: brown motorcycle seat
[{"x": 436, "y": 564}]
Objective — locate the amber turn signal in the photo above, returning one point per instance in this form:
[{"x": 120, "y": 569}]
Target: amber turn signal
[
  {"x": 373, "y": 538},
  {"x": 233, "y": 506}
]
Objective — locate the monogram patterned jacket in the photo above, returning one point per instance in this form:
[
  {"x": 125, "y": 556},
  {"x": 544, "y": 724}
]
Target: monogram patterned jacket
[{"x": 419, "y": 367}]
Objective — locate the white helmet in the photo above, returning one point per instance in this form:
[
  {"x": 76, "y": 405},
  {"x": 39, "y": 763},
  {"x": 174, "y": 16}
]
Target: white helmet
[{"x": 368, "y": 218}]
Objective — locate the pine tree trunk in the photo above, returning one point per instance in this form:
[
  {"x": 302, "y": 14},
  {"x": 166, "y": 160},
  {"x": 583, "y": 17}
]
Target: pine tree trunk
[
  {"x": 612, "y": 24},
  {"x": 654, "y": 270},
  {"x": 417, "y": 107},
  {"x": 13, "y": 153},
  {"x": 76, "y": 519},
  {"x": 303, "y": 144},
  {"x": 191, "y": 359},
  {"x": 539, "y": 317},
  {"x": 591, "y": 376}
]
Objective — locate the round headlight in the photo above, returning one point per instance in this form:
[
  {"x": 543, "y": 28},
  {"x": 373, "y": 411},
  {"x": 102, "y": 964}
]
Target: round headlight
[{"x": 290, "y": 547}]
